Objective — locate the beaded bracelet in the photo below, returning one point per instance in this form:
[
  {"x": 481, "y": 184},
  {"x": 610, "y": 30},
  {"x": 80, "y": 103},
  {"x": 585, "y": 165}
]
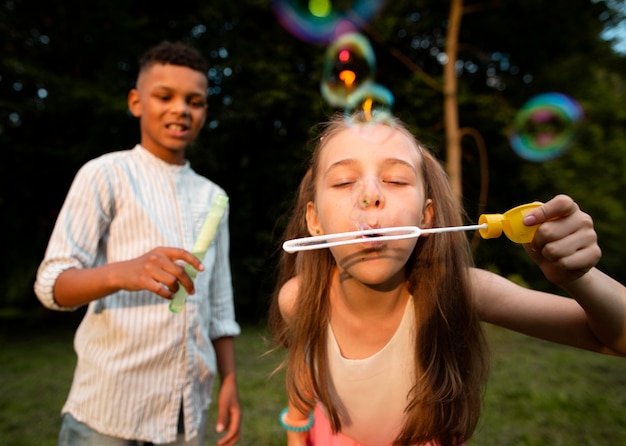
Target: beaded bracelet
[{"x": 291, "y": 428}]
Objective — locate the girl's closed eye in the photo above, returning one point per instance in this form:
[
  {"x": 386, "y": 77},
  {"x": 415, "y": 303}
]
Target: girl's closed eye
[
  {"x": 338, "y": 184},
  {"x": 396, "y": 181},
  {"x": 399, "y": 173},
  {"x": 341, "y": 179}
]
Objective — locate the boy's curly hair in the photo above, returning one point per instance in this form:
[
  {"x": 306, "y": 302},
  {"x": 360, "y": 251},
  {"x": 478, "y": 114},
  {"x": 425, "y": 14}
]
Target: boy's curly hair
[{"x": 174, "y": 53}]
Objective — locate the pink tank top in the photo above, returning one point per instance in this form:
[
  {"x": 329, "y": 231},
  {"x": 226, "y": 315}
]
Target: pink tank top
[{"x": 371, "y": 393}]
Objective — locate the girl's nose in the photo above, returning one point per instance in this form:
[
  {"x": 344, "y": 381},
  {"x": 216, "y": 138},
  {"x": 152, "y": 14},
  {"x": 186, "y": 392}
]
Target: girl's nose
[{"x": 367, "y": 192}]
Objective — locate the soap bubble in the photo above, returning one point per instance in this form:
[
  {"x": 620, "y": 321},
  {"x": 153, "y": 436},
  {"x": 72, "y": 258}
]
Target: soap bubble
[
  {"x": 315, "y": 21},
  {"x": 320, "y": 8},
  {"x": 545, "y": 126},
  {"x": 371, "y": 101},
  {"x": 349, "y": 63}
]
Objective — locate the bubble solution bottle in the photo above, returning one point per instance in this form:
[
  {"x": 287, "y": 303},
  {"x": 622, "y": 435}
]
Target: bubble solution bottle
[{"x": 510, "y": 223}]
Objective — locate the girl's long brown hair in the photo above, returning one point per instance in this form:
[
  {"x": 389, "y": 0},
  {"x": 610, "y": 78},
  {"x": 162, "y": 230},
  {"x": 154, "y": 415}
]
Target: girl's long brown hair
[{"x": 450, "y": 349}]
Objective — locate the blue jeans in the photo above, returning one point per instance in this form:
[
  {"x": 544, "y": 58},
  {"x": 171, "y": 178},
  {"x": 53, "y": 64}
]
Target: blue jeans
[{"x": 75, "y": 433}]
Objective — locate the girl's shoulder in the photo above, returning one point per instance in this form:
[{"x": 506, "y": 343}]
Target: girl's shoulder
[{"x": 288, "y": 295}]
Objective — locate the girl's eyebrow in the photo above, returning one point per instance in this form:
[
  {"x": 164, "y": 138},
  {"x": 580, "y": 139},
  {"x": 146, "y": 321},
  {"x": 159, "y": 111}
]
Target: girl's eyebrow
[
  {"x": 394, "y": 161},
  {"x": 386, "y": 161},
  {"x": 340, "y": 163}
]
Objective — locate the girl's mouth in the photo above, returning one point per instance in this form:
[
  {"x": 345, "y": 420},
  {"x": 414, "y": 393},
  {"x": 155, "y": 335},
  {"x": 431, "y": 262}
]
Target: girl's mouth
[
  {"x": 370, "y": 242},
  {"x": 369, "y": 231}
]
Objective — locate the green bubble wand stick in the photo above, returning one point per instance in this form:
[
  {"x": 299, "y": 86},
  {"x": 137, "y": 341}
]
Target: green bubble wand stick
[{"x": 201, "y": 247}]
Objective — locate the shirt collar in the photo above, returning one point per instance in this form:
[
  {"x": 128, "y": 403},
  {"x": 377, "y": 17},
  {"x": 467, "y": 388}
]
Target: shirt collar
[{"x": 158, "y": 162}]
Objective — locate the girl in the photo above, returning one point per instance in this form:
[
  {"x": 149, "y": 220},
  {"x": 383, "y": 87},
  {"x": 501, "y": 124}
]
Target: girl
[{"x": 384, "y": 339}]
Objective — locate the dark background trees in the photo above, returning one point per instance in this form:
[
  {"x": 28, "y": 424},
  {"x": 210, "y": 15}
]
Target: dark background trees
[{"x": 66, "y": 67}]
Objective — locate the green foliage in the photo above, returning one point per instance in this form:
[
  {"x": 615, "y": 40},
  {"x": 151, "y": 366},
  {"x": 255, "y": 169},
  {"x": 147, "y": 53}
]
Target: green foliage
[{"x": 66, "y": 69}]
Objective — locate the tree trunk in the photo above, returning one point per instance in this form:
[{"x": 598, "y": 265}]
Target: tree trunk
[{"x": 450, "y": 106}]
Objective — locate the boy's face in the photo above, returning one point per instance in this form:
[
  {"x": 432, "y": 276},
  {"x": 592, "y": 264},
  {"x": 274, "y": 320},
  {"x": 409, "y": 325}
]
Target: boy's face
[{"x": 171, "y": 102}]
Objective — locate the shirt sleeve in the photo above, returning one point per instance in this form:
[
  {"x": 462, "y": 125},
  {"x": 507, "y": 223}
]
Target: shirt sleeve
[
  {"x": 76, "y": 239},
  {"x": 223, "y": 321}
]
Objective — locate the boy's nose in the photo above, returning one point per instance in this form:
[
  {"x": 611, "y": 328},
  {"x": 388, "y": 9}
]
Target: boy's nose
[{"x": 180, "y": 106}]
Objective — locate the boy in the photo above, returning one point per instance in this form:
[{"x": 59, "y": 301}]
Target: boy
[{"x": 120, "y": 244}]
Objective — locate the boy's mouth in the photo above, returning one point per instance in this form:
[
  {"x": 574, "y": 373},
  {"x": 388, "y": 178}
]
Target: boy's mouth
[{"x": 176, "y": 127}]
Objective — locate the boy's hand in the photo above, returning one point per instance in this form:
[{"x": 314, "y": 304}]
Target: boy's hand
[
  {"x": 161, "y": 270},
  {"x": 228, "y": 413},
  {"x": 565, "y": 246}
]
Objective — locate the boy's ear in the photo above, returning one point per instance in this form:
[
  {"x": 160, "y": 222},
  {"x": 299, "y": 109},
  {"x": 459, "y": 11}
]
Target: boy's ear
[
  {"x": 134, "y": 103},
  {"x": 311, "y": 219}
]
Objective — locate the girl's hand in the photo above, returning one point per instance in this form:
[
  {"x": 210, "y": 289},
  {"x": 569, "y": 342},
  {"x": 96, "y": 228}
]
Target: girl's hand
[{"x": 565, "y": 246}]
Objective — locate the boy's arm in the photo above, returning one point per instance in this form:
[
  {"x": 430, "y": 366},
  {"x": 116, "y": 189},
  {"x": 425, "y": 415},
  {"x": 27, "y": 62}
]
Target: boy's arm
[
  {"x": 160, "y": 270},
  {"x": 67, "y": 277},
  {"x": 228, "y": 406}
]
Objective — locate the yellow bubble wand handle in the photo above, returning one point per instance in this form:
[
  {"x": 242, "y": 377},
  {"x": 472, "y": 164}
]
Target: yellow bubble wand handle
[
  {"x": 511, "y": 223},
  {"x": 207, "y": 233}
]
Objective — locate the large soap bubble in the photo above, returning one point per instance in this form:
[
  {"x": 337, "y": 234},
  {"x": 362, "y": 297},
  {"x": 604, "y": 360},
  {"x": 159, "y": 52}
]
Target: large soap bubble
[
  {"x": 349, "y": 63},
  {"x": 545, "y": 127},
  {"x": 318, "y": 22}
]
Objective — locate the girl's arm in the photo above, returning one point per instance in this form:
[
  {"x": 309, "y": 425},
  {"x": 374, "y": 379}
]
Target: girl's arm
[
  {"x": 297, "y": 426},
  {"x": 565, "y": 248},
  {"x": 546, "y": 316},
  {"x": 295, "y": 422}
]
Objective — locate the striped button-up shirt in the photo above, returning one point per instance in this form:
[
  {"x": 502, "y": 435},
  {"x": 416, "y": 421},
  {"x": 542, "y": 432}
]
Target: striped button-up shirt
[{"x": 137, "y": 360}]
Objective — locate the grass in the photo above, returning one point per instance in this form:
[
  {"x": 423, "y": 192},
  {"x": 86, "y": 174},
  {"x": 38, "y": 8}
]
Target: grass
[{"x": 539, "y": 393}]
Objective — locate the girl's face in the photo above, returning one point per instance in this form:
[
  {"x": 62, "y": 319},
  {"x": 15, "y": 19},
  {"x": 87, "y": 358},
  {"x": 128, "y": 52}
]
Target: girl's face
[{"x": 369, "y": 177}]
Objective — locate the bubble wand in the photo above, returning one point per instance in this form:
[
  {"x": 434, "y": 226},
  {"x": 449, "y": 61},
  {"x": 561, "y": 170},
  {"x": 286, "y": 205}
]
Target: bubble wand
[
  {"x": 489, "y": 226},
  {"x": 201, "y": 247}
]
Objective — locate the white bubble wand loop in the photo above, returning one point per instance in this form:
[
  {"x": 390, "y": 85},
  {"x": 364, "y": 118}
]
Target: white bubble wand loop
[
  {"x": 368, "y": 235},
  {"x": 489, "y": 226},
  {"x": 367, "y": 197},
  {"x": 207, "y": 233}
]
